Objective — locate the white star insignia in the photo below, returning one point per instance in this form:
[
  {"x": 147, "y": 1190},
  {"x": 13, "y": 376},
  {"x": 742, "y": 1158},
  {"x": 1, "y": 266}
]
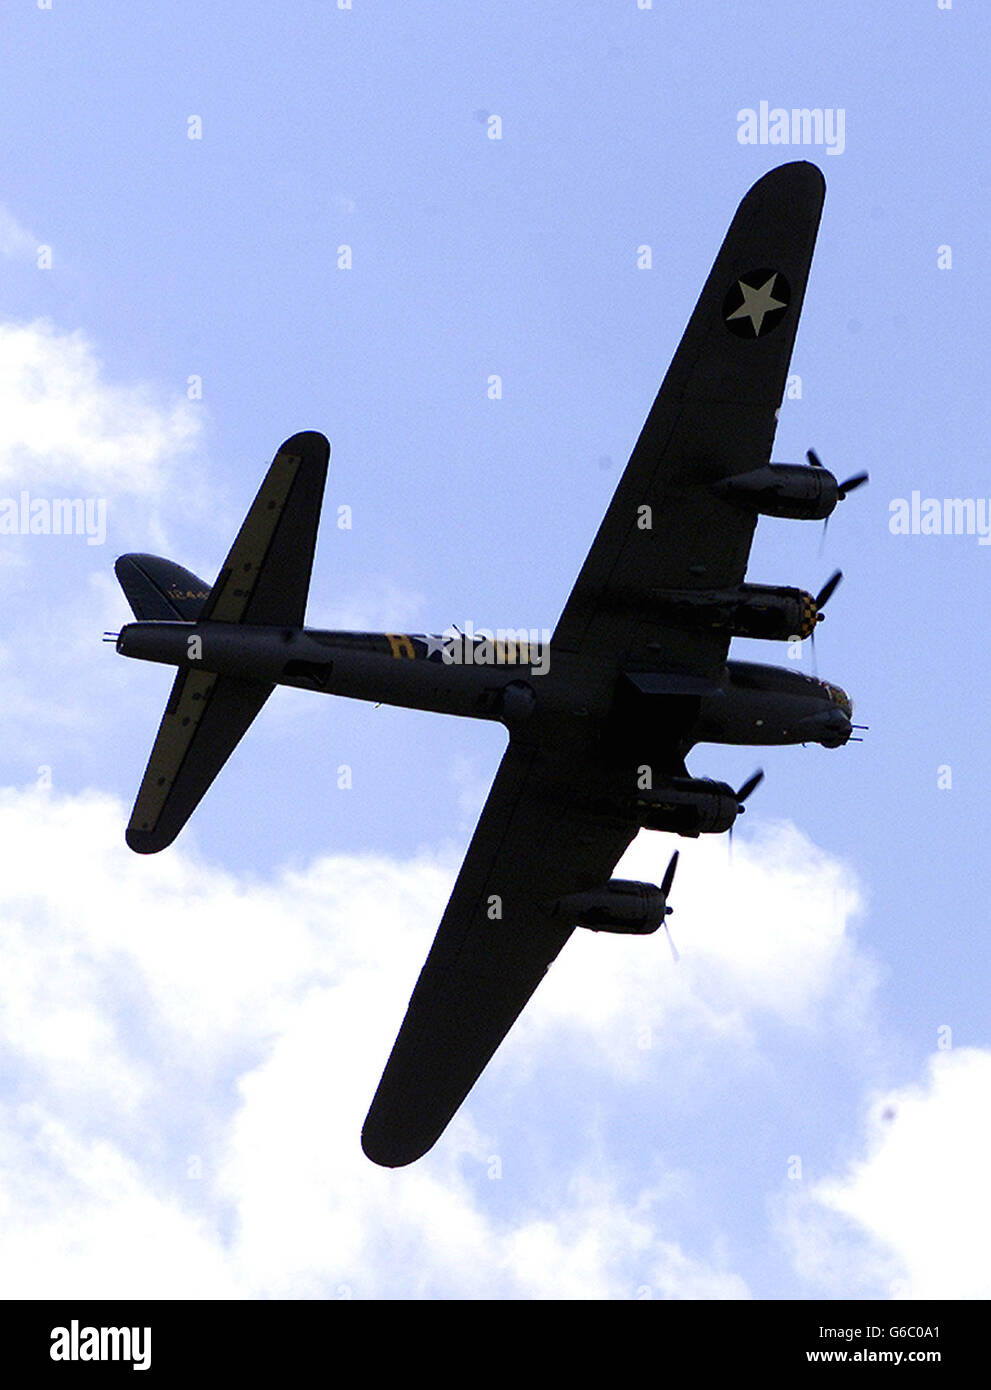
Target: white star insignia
[
  {"x": 435, "y": 644},
  {"x": 756, "y": 303}
]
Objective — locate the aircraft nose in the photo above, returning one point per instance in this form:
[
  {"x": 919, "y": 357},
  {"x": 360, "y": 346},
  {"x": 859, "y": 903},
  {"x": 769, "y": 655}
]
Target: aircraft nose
[
  {"x": 839, "y": 699},
  {"x": 843, "y": 702},
  {"x": 830, "y": 727},
  {"x": 838, "y": 730}
]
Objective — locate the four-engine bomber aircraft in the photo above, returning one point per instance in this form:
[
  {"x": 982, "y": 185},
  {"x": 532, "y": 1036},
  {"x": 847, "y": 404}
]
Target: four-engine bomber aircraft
[{"x": 637, "y": 672}]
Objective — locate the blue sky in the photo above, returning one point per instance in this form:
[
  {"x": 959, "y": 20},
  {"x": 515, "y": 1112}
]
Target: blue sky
[{"x": 233, "y": 1002}]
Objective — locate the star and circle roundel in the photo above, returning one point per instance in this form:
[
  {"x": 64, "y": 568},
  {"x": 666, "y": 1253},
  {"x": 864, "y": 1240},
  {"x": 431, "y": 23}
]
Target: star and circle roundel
[{"x": 756, "y": 303}]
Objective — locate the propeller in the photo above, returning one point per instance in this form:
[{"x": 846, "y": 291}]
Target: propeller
[
  {"x": 842, "y": 489},
  {"x": 750, "y": 785},
  {"x": 828, "y": 590},
  {"x": 853, "y": 483},
  {"x": 666, "y": 883},
  {"x": 821, "y": 599}
]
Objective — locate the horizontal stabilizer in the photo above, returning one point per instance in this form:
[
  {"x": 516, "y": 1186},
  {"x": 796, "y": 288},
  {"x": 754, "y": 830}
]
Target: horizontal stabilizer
[
  {"x": 266, "y": 576},
  {"x": 204, "y": 720},
  {"x": 263, "y": 581},
  {"x": 160, "y": 590}
]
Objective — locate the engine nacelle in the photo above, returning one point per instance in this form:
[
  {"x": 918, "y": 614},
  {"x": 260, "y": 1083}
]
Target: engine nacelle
[
  {"x": 689, "y": 806},
  {"x": 772, "y": 612},
  {"x": 621, "y": 905},
  {"x": 784, "y": 489}
]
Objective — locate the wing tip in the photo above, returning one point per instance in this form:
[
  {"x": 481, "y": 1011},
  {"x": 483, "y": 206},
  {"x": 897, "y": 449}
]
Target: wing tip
[
  {"x": 389, "y": 1147},
  {"x": 146, "y": 841},
  {"x": 798, "y": 175},
  {"x": 307, "y": 442},
  {"x": 385, "y": 1157}
]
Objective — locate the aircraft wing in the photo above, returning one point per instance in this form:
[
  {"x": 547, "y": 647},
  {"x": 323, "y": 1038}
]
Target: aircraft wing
[
  {"x": 714, "y": 416},
  {"x": 494, "y": 945},
  {"x": 539, "y": 836}
]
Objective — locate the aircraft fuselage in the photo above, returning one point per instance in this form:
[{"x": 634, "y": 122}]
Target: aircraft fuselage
[{"x": 751, "y": 704}]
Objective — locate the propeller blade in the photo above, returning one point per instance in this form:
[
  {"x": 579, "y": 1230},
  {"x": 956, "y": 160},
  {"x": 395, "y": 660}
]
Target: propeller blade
[
  {"x": 813, "y": 458},
  {"x": 674, "y": 949},
  {"x": 828, "y": 589},
  {"x": 853, "y": 483},
  {"x": 668, "y": 879},
  {"x": 750, "y": 785}
]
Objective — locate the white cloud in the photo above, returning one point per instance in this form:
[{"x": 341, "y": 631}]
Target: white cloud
[
  {"x": 67, "y": 431},
  {"x": 16, "y": 242},
  {"x": 768, "y": 937},
  {"x": 64, "y": 425},
  {"x": 913, "y": 1216},
  {"x": 162, "y": 1015},
  {"x": 80, "y": 1218}
]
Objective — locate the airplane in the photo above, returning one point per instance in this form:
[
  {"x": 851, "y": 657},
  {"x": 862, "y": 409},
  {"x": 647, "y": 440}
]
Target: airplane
[{"x": 637, "y": 671}]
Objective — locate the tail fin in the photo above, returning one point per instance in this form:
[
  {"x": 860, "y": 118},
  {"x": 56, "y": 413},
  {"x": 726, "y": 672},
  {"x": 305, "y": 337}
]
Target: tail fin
[
  {"x": 160, "y": 590},
  {"x": 264, "y": 580}
]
